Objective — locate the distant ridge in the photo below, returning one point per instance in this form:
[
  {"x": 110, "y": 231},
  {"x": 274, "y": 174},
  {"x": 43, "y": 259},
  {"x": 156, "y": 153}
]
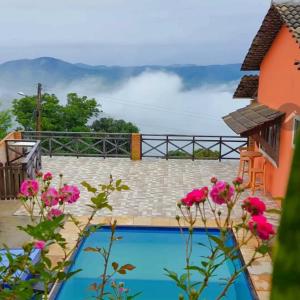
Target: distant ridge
[{"x": 23, "y": 74}]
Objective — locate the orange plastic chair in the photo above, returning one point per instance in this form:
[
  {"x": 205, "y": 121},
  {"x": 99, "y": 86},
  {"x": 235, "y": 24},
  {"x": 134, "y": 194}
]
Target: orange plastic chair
[{"x": 259, "y": 177}]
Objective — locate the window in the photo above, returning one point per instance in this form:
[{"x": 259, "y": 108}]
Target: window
[
  {"x": 296, "y": 128},
  {"x": 269, "y": 139}
]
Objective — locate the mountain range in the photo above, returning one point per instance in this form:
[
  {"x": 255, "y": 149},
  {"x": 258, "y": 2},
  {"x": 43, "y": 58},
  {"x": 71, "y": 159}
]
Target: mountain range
[{"x": 23, "y": 75}]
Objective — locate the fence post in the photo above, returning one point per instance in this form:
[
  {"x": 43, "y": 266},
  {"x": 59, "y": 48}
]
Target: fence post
[
  {"x": 220, "y": 148},
  {"x": 167, "y": 147},
  {"x": 193, "y": 154},
  {"x": 136, "y": 153}
]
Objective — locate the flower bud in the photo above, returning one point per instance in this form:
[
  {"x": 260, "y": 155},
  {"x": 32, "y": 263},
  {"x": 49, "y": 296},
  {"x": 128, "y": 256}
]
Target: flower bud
[{"x": 213, "y": 180}]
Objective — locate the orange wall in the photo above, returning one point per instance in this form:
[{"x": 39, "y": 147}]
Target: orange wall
[{"x": 279, "y": 84}]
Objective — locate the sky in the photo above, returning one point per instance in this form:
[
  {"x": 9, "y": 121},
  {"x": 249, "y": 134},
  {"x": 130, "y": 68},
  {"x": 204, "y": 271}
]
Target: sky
[{"x": 130, "y": 32}]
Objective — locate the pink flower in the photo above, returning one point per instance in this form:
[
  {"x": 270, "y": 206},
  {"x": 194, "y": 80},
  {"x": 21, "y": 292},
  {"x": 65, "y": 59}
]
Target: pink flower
[
  {"x": 54, "y": 212},
  {"x": 47, "y": 176},
  {"x": 238, "y": 181},
  {"x": 187, "y": 201},
  {"x": 40, "y": 245},
  {"x": 69, "y": 193},
  {"x": 259, "y": 225},
  {"x": 254, "y": 206},
  {"x": 221, "y": 192},
  {"x": 29, "y": 188},
  {"x": 195, "y": 196},
  {"x": 50, "y": 197}
]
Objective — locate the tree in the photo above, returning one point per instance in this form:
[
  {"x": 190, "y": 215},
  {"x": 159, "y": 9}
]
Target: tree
[
  {"x": 286, "y": 274},
  {"x": 24, "y": 110},
  {"x": 74, "y": 116},
  {"x": 114, "y": 126},
  {"x": 198, "y": 154},
  {"x": 78, "y": 111},
  {"x": 5, "y": 122}
]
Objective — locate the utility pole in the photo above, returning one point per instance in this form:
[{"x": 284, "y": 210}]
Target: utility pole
[{"x": 38, "y": 126}]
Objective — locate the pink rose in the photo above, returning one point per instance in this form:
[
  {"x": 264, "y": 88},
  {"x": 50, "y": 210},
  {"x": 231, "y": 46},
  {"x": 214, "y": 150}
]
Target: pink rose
[
  {"x": 47, "y": 176},
  {"x": 50, "y": 197},
  {"x": 195, "y": 196},
  {"x": 254, "y": 206},
  {"x": 69, "y": 193},
  {"x": 187, "y": 202},
  {"x": 259, "y": 225},
  {"x": 54, "y": 212},
  {"x": 29, "y": 188},
  {"x": 221, "y": 192},
  {"x": 40, "y": 245}
]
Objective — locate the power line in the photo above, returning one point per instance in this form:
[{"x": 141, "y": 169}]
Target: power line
[{"x": 158, "y": 108}]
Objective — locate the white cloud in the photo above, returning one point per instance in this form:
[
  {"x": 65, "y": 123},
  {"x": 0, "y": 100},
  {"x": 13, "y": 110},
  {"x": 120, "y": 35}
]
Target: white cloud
[{"x": 157, "y": 103}]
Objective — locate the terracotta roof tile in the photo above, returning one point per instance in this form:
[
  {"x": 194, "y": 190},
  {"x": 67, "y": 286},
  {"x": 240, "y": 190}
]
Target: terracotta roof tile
[
  {"x": 247, "y": 87},
  {"x": 250, "y": 118},
  {"x": 279, "y": 14}
]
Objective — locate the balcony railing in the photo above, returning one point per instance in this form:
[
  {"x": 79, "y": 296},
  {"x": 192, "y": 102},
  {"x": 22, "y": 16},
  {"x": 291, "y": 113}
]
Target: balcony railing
[
  {"x": 82, "y": 143},
  {"x": 167, "y": 146},
  {"x": 192, "y": 146}
]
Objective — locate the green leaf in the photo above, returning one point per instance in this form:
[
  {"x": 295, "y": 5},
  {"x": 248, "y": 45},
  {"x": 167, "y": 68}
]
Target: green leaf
[
  {"x": 134, "y": 296},
  {"x": 263, "y": 249},
  {"x": 220, "y": 243},
  {"x": 89, "y": 187},
  {"x": 91, "y": 249},
  {"x": 198, "y": 269}
]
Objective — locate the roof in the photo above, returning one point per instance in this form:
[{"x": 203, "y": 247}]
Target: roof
[
  {"x": 288, "y": 14},
  {"x": 251, "y": 118},
  {"x": 247, "y": 87}
]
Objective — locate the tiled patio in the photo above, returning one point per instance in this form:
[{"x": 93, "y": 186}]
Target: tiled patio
[{"x": 155, "y": 184}]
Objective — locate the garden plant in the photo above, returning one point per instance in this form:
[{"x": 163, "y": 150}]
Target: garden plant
[
  {"x": 220, "y": 202},
  {"x": 46, "y": 206}
]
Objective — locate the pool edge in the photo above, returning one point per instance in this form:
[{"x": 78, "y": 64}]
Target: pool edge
[{"x": 255, "y": 293}]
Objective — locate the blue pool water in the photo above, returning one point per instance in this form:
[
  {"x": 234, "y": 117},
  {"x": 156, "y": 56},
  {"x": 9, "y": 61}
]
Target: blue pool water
[{"x": 150, "y": 250}]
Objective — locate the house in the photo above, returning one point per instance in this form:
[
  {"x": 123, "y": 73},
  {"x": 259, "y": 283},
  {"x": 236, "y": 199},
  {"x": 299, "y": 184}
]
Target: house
[{"x": 272, "y": 118}]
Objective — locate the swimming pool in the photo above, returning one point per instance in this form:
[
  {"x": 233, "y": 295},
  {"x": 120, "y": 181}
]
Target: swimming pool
[{"x": 150, "y": 249}]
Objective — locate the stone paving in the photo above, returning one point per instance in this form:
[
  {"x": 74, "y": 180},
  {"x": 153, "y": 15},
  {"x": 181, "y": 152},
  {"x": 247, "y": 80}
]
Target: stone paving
[{"x": 155, "y": 184}]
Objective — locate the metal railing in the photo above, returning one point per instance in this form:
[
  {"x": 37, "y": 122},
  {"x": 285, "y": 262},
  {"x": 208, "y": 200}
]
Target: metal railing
[
  {"x": 193, "y": 147},
  {"x": 82, "y": 143}
]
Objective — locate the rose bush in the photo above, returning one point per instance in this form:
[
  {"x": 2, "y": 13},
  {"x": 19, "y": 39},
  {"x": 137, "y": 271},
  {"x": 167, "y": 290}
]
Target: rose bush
[
  {"x": 251, "y": 224},
  {"x": 46, "y": 205}
]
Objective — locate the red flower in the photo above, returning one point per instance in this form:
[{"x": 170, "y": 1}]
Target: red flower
[
  {"x": 260, "y": 226},
  {"x": 238, "y": 181},
  {"x": 195, "y": 196},
  {"x": 254, "y": 206},
  {"x": 47, "y": 176}
]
